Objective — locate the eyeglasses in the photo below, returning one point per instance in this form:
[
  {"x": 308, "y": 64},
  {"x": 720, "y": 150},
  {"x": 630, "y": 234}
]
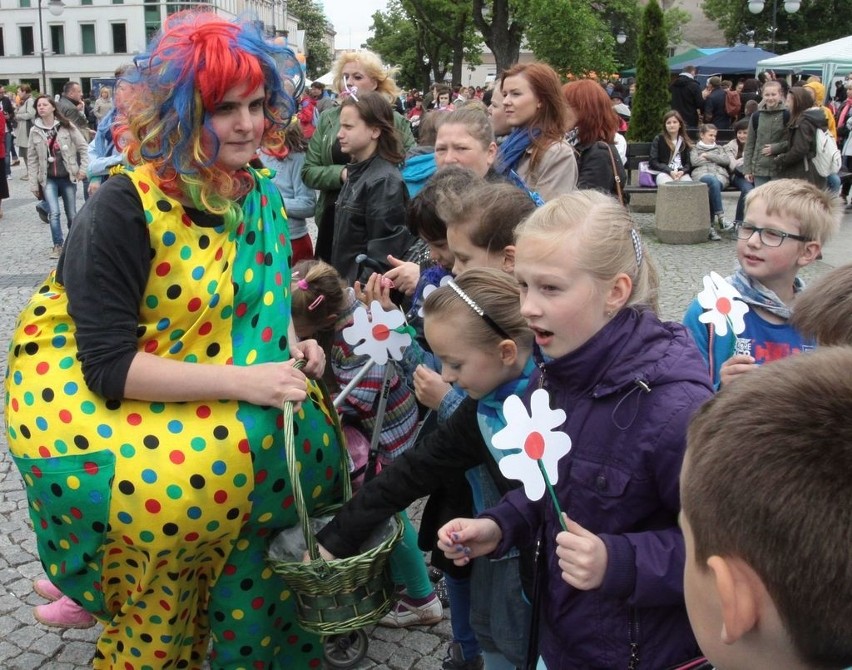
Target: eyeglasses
[{"x": 768, "y": 236}]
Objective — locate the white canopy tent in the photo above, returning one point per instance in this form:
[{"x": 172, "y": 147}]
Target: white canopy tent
[
  {"x": 832, "y": 58},
  {"x": 327, "y": 79}
]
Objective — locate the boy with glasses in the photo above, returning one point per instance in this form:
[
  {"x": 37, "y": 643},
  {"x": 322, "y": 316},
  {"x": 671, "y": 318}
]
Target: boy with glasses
[{"x": 787, "y": 221}]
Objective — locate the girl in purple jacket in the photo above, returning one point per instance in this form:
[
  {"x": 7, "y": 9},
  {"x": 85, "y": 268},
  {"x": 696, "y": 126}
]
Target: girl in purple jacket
[{"x": 611, "y": 585}]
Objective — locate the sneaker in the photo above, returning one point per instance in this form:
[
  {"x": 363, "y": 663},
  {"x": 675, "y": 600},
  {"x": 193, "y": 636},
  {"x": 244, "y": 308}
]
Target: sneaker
[
  {"x": 43, "y": 214},
  {"x": 455, "y": 661},
  {"x": 46, "y": 589},
  {"x": 713, "y": 236},
  {"x": 56, "y": 252},
  {"x": 64, "y": 613},
  {"x": 723, "y": 223},
  {"x": 405, "y": 613}
]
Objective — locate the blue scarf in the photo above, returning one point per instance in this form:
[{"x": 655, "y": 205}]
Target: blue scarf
[
  {"x": 756, "y": 294},
  {"x": 514, "y": 147}
]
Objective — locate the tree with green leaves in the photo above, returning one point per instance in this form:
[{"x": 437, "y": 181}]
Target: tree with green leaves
[
  {"x": 815, "y": 22},
  {"x": 652, "y": 97},
  {"x": 502, "y": 29},
  {"x": 313, "y": 21}
]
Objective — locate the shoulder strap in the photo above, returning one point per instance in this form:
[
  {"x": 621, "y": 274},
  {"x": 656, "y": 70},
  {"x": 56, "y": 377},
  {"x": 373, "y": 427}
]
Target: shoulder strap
[{"x": 615, "y": 174}]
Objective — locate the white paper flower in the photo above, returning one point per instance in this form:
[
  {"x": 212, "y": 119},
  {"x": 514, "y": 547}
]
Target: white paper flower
[
  {"x": 429, "y": 289},
  {"x": 724, "y": 305},
  {"x": 536, "y": 438},
  {"x": 376, "y": 337}
]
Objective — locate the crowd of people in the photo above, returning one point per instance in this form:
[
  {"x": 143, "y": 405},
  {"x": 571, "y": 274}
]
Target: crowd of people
[{"x": 148, "y": 375}]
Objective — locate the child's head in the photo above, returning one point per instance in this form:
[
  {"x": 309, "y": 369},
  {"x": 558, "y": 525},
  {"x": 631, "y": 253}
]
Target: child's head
[
  {"x": 772, "y": 94},
  {"x": 481, "y": 224},
  {"x": 442, "y": 97},
  {"x": 750, "y": 108},
  {"x": 673, "y": 125},
  {"x": 318, "y": 297},
  {"x": 767, "y": 516},
  {"x": 785, "y": 207},
  {"x": 823, "y": 310},
  {"x": 580, "y": 260},
  {"x": 422, "y": 217},
  {"x": 741, "y": 128},
  {"x": 475, "y": 327},
  {"x": 465, "y": 138},
  {"x": 707, "y": 133},
  {"x": 367, "y": 128}
]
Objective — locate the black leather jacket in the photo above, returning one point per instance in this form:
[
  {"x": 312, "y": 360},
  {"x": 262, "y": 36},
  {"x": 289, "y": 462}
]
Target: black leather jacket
[{"x": 370, "y": 217}]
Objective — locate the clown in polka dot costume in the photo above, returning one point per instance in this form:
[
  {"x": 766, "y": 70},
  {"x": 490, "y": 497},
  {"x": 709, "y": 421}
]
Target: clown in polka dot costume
[{"x": 154, "y": 513}]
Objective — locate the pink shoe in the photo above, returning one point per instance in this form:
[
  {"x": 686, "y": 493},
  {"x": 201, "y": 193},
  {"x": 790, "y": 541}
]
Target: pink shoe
[
  {"x": 64, "y": 613},
  {"x": 46, "y": 589}
]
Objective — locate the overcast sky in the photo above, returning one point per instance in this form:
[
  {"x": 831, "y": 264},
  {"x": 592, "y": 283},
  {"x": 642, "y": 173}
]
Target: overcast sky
[{"x": 352, "y": 20}]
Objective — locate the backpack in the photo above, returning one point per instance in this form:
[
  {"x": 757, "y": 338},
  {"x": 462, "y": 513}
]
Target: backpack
[
  {"x": 827, "y": 159},
  {"x": 733, "y": 103}
]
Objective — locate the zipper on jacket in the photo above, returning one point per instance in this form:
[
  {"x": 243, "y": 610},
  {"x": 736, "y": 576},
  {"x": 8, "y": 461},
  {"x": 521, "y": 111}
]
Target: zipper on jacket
[{"x": 633, "y": 639}]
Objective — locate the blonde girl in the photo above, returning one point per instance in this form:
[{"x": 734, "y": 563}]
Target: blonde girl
[
  {"x": 475, "y": 326},
  {"x": 611, "y": 584}
]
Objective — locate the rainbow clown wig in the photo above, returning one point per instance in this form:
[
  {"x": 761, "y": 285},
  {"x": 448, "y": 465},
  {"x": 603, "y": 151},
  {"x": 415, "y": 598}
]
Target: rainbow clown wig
[{"x": 190, "y": 66}]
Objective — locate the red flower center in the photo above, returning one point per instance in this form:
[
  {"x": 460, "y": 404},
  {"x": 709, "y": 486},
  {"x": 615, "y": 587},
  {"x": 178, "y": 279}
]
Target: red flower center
[
  {"x": 381, "y": 332},
  {"x": 723, "y": 306},
  {"x": 534, "y": 445}
]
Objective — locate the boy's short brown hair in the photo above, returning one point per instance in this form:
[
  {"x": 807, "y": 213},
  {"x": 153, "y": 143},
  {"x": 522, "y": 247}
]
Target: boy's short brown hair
[
  {"x": 818, "y": 212},
  {"x": 767, "y": 480},
  {"x": 823, "y": 310}
]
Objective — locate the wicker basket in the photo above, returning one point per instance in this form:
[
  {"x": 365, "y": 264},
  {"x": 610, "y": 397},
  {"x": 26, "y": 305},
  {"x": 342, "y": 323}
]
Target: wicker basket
[{"x": 342, "y": 595}]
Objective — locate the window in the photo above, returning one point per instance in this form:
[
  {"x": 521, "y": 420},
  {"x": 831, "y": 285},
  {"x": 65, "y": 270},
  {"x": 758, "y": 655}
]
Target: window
[
  {"x": 119, "y": 38},
  {"x": 118, "y": 2},
  {"x": 87, "y": 34},
  {"x": 85, "y": 2},
  {"x": 57, "y": 39},
  {"x": 25, "y": 3},
  {"x": 27, "y": 41},
  {"x": 2, "y": 47}
]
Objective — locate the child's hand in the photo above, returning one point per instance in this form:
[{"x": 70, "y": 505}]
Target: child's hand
[
  {"x": 735, "y": 366},
  {"x": 404, "y": 274},
  {"x": 378, "y": 287},
  {"x": 582, "y": 556},
  {"x": 314, "y": 357},
  {"x": 766, "y": 150},
  {"x": 464, "y": 539},
  {"x": 429, "y": 388}
]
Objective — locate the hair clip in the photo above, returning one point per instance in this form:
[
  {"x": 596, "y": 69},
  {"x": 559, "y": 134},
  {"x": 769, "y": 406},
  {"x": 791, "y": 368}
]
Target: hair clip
[
  {"x": 302, "y": 284},
  {"x": 637, "y": 246},
  {"x": 316, "y": 303},
  {"x": 478, "y": 310}
]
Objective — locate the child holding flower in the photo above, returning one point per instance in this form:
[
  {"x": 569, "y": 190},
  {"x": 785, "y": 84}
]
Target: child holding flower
[
  {"x": 787, "y": 221},
  {"x": 611, "y": 587}
]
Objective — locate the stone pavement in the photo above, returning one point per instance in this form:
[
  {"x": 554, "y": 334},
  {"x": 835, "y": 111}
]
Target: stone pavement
[{"x": 26, "y": 645}]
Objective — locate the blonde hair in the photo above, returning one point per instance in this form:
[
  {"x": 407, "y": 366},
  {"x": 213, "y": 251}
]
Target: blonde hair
[
  {"x": 498, "y": 294},
  {"x": 605, "y": 237},
  {"x": 817, "y": 212},
  {"x": 373, "y": 68}
]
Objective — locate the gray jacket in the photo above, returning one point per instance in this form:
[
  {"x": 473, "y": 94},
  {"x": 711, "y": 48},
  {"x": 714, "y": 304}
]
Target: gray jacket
[
  {"x": 715, "y": 161},
  {"x": 24, "y": 115},
  {"x": 72, "y": 145}
]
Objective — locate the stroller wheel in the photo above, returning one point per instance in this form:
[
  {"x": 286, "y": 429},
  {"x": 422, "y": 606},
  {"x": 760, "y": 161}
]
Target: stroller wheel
[{"x": 345, "y": 650}]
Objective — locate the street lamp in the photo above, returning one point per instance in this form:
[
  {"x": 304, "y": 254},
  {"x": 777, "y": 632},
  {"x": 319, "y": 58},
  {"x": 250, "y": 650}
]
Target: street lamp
[
  {"x": 55, "y": 7},
  {"x": 790, "y": 6},
  {"x": 621, "y": 38}
]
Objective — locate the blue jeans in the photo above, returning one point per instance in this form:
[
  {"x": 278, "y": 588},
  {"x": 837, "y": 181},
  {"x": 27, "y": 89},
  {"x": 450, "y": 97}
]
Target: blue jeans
[
  {"x": 714, "y": 187},
  {"x": 760, "y": 181},
  {"x": 459, "y": 592},
  {"x": 500, "y": 613},
  {"x": 745, "y": 187},
  {"x": 67, "y": 189},
  {"x": 10, "y": 152}
]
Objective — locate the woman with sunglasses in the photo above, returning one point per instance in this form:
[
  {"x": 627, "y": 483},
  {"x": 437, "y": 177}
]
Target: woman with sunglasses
[{"x": 326, "y": 162}]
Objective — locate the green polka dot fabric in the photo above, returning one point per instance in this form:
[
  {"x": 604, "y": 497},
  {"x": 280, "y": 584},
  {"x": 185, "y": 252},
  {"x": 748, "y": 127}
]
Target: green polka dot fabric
[{"x": 154, "y": 516}]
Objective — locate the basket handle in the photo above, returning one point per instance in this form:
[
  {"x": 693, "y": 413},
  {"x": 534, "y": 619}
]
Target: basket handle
[{"x": 293, "y": 466}]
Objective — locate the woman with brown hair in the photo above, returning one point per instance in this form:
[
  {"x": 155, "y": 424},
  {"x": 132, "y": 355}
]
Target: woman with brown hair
[
  {"x": 669, "y": 153},
  {"x": 593, "y": 124},
  {"x": 536, "y": 155},
  {"x": 795, "y": 163},
  {"x": 369, "y": 216}
]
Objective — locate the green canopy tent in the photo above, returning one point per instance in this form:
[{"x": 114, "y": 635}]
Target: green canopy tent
[{"x": 675, "y": 63}]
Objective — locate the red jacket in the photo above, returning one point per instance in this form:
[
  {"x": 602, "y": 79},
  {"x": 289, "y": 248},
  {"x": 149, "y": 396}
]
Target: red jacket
[{"x": 306, "y": 116}]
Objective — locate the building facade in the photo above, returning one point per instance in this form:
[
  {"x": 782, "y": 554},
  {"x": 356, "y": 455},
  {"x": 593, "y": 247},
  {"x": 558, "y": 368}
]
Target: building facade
[{"x": 89, "y": 39}]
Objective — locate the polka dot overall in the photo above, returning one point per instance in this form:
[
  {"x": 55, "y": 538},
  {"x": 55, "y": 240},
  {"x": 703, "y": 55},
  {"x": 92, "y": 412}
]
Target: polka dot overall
[{"x": 156, "y": 516}]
